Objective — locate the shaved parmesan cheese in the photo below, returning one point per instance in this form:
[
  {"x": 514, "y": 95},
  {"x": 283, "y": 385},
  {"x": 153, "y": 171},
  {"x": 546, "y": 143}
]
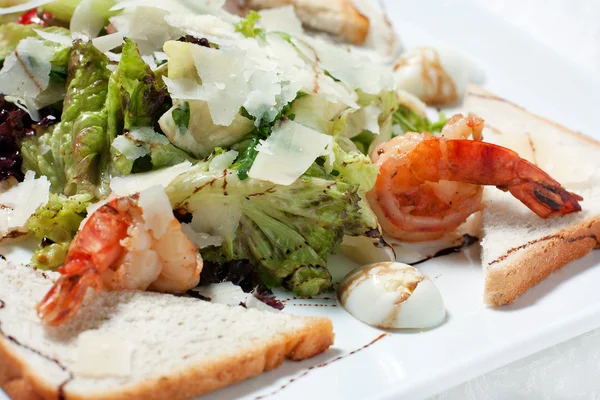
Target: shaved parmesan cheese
[
  {"x": 223, "y": 161},
  {"x": 355, "y": 70},
  {"x": 138, "y": 142},
  {"x": 19, "y": 203},
  {"x": 86, "y": 20},
  {"x": 146, "y": 25},
  {"x": 26, "y": 72},
  {"x": 209, "y": 26},
  {"x": 156, "y": 210},
  {"x": 54, "y": 37},
  {"x": 382, "y": 37},
  {"x": 371, "y": 115},
  {"x": 131, "y": 184},
  {"x": 282, "y": 19},
  {"x": 201, "y": 240},
  {"x": 229, "y": 294},
  {"x": 108, "y": 42},
  {"x": 161, "y": 56},
  {"x": 216, "y": 215},
  {"x": 112, "y": 56},
  {"x": 171, "y": 6},
  {"x": 288, "y": 153},
  {"x": 24, "y": 6},
  {"x": 223, "y": 293}
]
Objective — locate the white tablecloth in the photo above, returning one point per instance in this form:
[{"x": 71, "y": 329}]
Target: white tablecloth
[{"x": 570, "y": 370}]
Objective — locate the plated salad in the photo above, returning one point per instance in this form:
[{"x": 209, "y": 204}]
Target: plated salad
[{"x": 165, "y": 145}]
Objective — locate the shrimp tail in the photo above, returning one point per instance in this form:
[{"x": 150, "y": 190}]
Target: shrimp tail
[
  {"x": 547, "y": 197},
  {"x": 482, "y": 163},
  {"x": 65, "y": 298}
]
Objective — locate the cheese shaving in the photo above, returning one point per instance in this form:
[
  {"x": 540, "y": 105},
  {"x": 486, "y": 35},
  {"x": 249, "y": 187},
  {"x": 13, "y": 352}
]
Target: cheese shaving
[
  {"x": 288, "y": 153},
  {"x": 131, "y": 184},
  {"x": 156, "y": 210},
  {"x": 54, "y": 37},
  {"x": 20, "y": 202},
  {"x": 26, "y": 72},
  {"x": 23, "y": 7},
  {"x": 283, "y": 19}
]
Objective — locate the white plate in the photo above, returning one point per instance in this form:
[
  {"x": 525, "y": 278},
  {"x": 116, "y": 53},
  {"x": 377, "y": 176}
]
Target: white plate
[{"x": 474, "y": 339}]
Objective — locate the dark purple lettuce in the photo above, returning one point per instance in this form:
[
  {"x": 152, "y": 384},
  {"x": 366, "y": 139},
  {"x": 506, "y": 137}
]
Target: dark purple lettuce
[{"x": 15, "y": 124}]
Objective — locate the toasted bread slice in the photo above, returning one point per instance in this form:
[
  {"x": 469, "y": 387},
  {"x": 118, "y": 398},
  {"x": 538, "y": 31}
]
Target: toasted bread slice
[
  {"x": 519, "y": 248},
  {"x": 141, "y": 345},
  {"x": 339, "y": 18}
]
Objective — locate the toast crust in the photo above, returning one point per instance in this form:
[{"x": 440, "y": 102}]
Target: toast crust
[
  {"x": 315, "y": 338},
  {"x": 337, "y": 17},
  {"x": 531, "y": 263},
  {"x": 527, "y": 264}
]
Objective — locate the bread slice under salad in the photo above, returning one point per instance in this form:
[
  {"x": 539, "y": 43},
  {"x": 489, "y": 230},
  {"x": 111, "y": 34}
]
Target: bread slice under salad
[
  {"x": 141, "y": 345},
  {"x": 519, "y": 248}
]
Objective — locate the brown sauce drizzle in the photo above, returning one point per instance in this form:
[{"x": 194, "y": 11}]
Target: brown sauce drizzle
[
  {"x": 546, "y": 238},
  {"x": 308, "y": 298},
  {"x": 2, "y": 257},
  {"x": 314, "y": 305},
  {"x": 307, "y": 371},
  {"x": 468, "y": 240},
  {"x": 61, "y": 388}
]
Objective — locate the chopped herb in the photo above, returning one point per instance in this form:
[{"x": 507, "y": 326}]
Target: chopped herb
[
  {"x": 181, "y": 116},
  {"x": 263, "y": 131},
  {"x": 410, "y": 121},
  {"x": 247, "y": 26}
]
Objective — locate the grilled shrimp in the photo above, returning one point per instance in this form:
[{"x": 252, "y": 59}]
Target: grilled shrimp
[
  {"x": 115, "y": 250},
  {"x": 428, "y": 186}
]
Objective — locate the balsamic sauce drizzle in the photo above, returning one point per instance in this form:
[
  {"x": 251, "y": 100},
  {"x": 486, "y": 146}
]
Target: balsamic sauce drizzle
[
  {"x": 467, "y": 241},
  {"x": 307, "y": 371},
  {"x": 61, "y": 388}
]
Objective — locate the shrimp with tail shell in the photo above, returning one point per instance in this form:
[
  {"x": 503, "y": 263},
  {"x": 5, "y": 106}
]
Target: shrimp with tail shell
[
  {"x": 114, "y": 250},
  {"x": 428, "y": 186}
]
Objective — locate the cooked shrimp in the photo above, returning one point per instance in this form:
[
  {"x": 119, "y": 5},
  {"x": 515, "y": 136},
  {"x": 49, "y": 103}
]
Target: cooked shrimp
[
  {"x": 428, "y": 186},
  {"x": 115, "y": 250}
]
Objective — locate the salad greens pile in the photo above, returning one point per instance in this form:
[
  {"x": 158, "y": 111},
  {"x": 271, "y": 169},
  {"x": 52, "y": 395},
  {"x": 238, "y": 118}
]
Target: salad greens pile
[{"x": 133, "y": 88}]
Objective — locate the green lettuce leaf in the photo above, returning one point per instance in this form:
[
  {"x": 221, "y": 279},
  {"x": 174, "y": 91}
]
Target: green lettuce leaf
[
  {"x": 410, "y": 121},
  {"x": 38, "y": 156},
  {"x": 59, "y": 219},
  {"x": 287, "y": 232},
  {"x": 247, "y": 26},
  {"x": 63, "y": 9},
  {"x": 82, "y": 130},
  {"x": 57, "y": 223},
  {"x": 135, "y": 100},
  {"x": 10, "y": 36}
]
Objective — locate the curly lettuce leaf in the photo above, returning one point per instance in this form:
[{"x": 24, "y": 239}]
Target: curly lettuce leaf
[
  {"x": 82, "y": 129},
  {"x": 56, "y": 223},
  {"x": 135, "y": 100},
  {"x": 59, "y": 219},
  {"x": 410, "y": 121},
  {"x": 50, "y": 256},
  {"x": 247, "y": 26},
  {"x": 38, "y": 156},
  {"x": 10, "y": 36},
  {"x": 286, "y": 231}
]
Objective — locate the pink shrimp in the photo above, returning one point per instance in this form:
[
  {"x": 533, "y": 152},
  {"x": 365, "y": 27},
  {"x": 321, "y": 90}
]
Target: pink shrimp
[
  {"x": 115, "y": 250},
  {"x": 428, "y": 186}
]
